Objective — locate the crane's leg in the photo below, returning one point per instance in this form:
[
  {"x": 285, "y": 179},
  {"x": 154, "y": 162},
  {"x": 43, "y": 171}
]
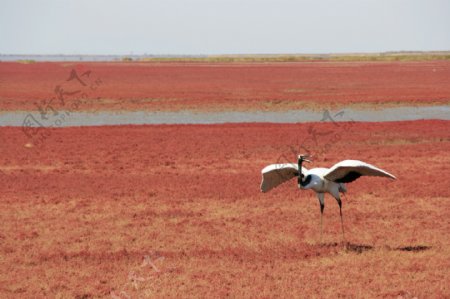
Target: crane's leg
[
  {"x": 340, "y": 212},
  {"x": 321, "y": 196}
]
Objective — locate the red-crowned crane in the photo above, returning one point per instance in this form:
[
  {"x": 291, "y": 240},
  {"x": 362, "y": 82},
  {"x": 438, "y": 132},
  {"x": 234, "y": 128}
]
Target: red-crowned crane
[{"x": 321, "y": 180}]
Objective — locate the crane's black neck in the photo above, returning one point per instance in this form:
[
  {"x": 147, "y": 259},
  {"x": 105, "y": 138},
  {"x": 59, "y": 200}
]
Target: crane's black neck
[
  {"x": 300, "y": 174},
  {"x": 300, "y": 180}
]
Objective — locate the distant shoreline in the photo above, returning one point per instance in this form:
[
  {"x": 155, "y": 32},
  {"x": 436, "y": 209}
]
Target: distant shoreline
[{"x": 384, "y": 56}]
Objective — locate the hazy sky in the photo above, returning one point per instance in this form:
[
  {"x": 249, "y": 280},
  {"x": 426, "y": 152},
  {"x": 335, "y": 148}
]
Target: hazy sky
[{"x": 222, "y": 26}]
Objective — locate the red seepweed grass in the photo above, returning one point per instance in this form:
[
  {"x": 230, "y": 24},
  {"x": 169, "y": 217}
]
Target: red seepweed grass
[
  {"x": 176, "y": 211},
  {"x": 172, "y": 86}
]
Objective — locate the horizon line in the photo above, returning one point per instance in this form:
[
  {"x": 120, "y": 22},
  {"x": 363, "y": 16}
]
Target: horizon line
[{"x": 244, "y": 54}]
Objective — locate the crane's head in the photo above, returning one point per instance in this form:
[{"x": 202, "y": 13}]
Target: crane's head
[{"x": 305, "y": 158}]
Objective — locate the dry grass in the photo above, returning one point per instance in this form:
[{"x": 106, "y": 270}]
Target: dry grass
[{"x": 391, "y": 56}]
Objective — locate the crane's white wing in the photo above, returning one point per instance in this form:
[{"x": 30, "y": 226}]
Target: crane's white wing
[
  {"x": 276, "y": 174},
  {"x": 349, "y": 170}
]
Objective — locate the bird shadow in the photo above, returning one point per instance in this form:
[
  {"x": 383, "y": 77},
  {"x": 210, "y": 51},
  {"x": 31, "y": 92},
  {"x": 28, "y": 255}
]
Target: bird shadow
[
  {"x": 358, "y": 248},
  {"x": 417, "y": 248},
  {"x": 350, "y": 247},
  {"x": 361, "y": 248}
]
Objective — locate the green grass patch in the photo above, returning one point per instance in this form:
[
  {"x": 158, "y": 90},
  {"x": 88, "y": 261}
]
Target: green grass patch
[{"x": 26, "y": 61}]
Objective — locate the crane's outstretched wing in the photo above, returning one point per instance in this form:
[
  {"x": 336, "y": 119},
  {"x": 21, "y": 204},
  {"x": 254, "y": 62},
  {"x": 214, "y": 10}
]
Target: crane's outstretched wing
[
  {"x": 276, "y": 174},
  {"x": 349, "y": 170}
]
